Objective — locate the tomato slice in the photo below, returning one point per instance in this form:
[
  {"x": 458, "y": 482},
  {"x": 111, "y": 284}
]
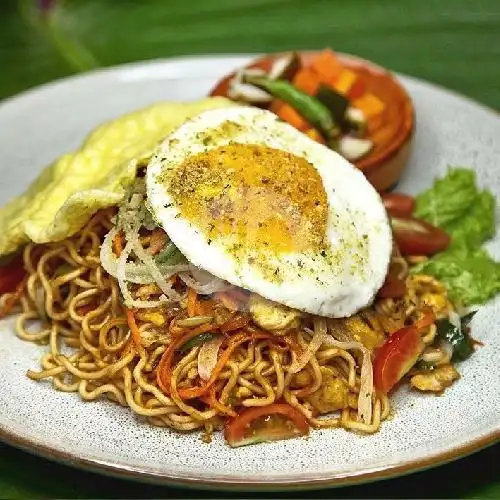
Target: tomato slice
[
  {"x": 265, "y": 423},
  {"x": 11, "y": 275},
  {"x": 395, "y": 358},
  {"x": 418, "y": 237},
  {"x": 398, "y": 204}
]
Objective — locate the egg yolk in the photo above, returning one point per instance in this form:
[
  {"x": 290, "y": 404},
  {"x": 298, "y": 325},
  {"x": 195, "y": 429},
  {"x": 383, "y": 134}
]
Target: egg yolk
[{"x": 258, "y": 196}]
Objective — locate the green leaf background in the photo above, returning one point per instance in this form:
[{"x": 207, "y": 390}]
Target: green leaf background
[{"x": 455, "y": 43}]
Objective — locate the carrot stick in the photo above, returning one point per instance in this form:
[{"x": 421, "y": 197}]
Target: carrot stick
[
  {"x": 234, "y": 342},
  {"x": 192, "y": 298},
  {"x": 118, "y": 244},
  {"x": 164, "y": 370},
  {"x": 134, "y": 330}
]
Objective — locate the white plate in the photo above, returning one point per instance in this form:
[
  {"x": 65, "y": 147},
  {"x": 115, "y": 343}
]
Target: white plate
[{"x": 41, "y": 124}]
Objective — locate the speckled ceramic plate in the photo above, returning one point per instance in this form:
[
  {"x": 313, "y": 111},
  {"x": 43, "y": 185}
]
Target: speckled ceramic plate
[{"x": 46, "y": 122}]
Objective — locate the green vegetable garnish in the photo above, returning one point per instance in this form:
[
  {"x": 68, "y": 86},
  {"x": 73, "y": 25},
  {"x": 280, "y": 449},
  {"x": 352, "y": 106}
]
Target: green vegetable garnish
[
  {"x": 336, "y": 103},
  {"x": 467, "y": 214},
  {"x": 196, "y": 341},
  {"x": 170, "y": 255},
  {"x": 457, "y": 337},
  {"x": 311, "y": 108}
]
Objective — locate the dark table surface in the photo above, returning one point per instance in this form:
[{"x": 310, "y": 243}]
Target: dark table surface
[{"x": 455, "y": 43}]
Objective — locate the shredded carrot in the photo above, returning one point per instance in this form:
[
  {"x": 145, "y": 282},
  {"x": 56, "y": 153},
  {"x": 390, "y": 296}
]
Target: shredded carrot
[
  {"x": 118, "y": 244},
  {"x": 192, "y": 298},
  {"x": 13, "y": 299},
  {"x": 164, "y": 370},
  {"x": 157, "y": 241},
  {"x": 233, "y": 343},
  {"x": 327, "y": 65},
  {"x": 134, "y": 330},
  {"x": 288, "y": 114}
]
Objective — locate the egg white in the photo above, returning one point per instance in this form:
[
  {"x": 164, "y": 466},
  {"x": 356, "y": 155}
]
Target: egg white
[{"x": 358, "y": 230}]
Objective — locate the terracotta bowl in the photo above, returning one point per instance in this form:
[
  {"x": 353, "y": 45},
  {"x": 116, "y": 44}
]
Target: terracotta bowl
[{"x": 392, "y": 132}]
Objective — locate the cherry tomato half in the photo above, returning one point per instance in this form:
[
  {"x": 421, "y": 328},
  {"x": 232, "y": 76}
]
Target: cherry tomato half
[
  {"x": 265, "y": 423},
  {"x": 395, "y": 358},
  {"x": 417, "y": 237},
  {"x": 398, "y": 204},
  {"x": 11, "y": 275}
]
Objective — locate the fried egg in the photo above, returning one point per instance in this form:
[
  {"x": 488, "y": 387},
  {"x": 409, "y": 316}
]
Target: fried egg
[{"x": 255, "y": 202}]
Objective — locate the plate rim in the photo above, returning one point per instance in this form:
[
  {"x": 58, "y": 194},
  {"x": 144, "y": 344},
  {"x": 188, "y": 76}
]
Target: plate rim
[
  {"x": 131, "y": 473},
  {"x": 124, "y": 471}
]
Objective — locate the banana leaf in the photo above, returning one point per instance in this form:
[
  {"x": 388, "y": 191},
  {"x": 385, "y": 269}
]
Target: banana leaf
[{"x": 451, "y": 42}]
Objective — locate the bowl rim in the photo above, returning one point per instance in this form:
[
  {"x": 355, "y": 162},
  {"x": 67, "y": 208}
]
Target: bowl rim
[{"x": 367, "y": 164}]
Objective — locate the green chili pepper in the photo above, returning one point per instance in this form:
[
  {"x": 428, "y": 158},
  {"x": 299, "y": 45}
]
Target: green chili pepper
[
  {"x": 311, "y": 108},
  {"x": 196, "y": 341}
]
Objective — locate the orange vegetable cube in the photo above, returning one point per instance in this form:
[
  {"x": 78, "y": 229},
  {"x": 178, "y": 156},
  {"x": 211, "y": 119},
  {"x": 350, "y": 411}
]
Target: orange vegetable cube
[
  {"x": 370, "y": 104},
  {"x": 288, "y": 114},
  {"x": 307, "y": 81},
  {"x": 327, "y": 65},
  {"x": 344, "y": 81},
  {"x": 357, "y": 89}
]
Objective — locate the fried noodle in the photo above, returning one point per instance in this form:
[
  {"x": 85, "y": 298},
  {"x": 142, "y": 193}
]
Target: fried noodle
[{"x": 98, "y": 348}]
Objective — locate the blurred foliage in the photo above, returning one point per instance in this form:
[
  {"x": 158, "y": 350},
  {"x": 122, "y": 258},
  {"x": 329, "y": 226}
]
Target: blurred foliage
[{"x": 452, "y": 42}]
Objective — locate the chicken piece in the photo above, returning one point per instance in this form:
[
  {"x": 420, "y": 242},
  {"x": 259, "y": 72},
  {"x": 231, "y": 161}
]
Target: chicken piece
[
  {"x": 436, "y": 356},
  {"x": 357, "y": 329},
  {"x": 331, "y": 396},
  {"x": 302, "y": 379},
  {"x": 273, "y": 316},
  {"x": 436, "y": 380},
  {"x": 242, "y": 393},
  {"x": 437, "y": 302},
  {"x": 154, "y": 317}
]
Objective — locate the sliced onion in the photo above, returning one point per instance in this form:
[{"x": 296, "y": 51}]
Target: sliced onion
[
  {"x": 319, "y": 337},
  {"x": 148, "y": 260},
  {"x": 366, "y": 377},
  {"x": 194, "y": 321},
  {"x": 203, "y": 282},
  {"x": 207, "y": 357},
  {"x": 134, "y": 273},
  {"x": 455, "y": 320}
]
